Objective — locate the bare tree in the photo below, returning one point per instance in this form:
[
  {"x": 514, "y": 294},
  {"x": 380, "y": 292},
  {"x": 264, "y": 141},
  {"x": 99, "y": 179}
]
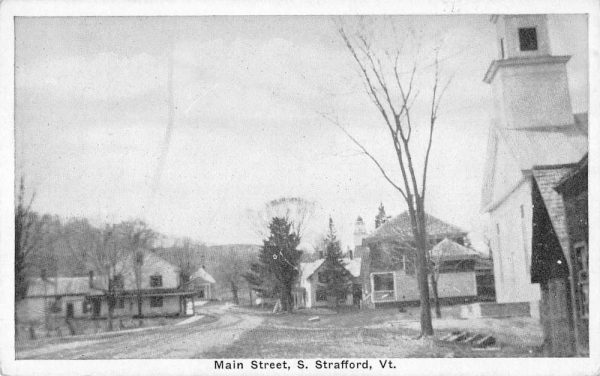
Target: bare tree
[
  {"x": 101, "y": 250},
  {"x": 393, "y": 98},
  {"x": 29, "y": 233},
  {"x": 136, "y": 238},
  {"x": 233, "y": 262},
  {"x": 298, "y": 211}
]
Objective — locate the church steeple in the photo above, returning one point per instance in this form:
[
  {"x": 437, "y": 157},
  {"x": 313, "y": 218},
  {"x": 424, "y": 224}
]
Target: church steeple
[{"x": 529, "y": 84}]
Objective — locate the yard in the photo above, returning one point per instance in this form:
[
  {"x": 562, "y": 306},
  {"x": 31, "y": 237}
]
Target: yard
[
  {"x": 236, "y": 332},
  {"x": 378, "y": 333}
]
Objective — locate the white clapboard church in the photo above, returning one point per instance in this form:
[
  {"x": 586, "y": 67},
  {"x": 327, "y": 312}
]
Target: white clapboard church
[{"x": 533, "y": 127}]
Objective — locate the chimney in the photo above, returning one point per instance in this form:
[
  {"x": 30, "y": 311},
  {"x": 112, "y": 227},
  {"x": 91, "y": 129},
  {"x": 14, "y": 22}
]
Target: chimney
[{"x": 91, "y": 279}]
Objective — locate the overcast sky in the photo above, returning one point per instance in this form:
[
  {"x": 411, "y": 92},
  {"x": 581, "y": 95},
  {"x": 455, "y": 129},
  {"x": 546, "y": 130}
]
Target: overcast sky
[{"x": 91, "y": 114}]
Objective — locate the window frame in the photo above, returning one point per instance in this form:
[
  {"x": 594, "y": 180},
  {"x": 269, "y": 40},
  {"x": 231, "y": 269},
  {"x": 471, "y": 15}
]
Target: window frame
[
  {"x": 321, "y": 295},
  {"x": 379, "y": 275},
  {"x": 156, "y": 280},
  {"x": 156, "y": 302},
  {"x": 528, "y": 39}
]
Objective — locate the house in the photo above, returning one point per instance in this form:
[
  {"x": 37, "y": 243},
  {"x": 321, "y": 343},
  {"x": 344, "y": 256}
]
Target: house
[
  {"x": 560, "y": 256},
  {"x": 310, "y": 291},
  {"x": 574, "y": 190},
  {"x": 534, "y": 139},
  {"x": 151, "y": 285},
  {"x": 388, "y": 262},
  {"x": 64, "y": 297}
]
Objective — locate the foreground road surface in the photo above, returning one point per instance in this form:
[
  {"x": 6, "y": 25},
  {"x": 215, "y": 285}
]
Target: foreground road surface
[{"x": 182, "y": 341}]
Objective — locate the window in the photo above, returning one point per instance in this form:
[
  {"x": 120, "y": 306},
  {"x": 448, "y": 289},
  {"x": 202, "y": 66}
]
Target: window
[
  {"x": 581, "y": 265},
  {"x": 56, "y": 306},
  {"x": 85, "y": 307},
  {"x": 118, "y": 282},
  {"x": 383, "y": 282},
  {"x": 321, "y": 295},
  {"x": 322, "y": 278},
  {"x": 156, "y": 281},
  {"x": 528, "y": 39},
  {"x": 156, "y": 301},
  {"x": 121, "y": 303}
]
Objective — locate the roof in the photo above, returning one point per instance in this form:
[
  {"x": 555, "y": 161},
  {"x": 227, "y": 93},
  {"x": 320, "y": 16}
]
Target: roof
[
  {"x": 529, "y": 147},
  {"x": 546, "y": 179},
  {"x": 543, "y": 146},
  {"x": 202, "y": 275},
  {"x": 450, "y": 250},
  {"x": 576, "y": 180},
  {"x": 399, "y": 228},
  {"x": 61, "y": 286},
  {"x": 307, "y": 269}
]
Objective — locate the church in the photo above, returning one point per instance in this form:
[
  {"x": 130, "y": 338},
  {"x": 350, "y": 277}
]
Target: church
[{"x": 535, "y": 139}]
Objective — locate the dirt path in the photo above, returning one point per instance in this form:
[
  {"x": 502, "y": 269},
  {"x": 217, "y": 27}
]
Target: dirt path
[{"x": 184, "y": 341}]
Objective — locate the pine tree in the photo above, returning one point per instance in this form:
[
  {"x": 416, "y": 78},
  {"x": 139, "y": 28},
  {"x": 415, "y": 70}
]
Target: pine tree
[
  {"x": 279, "y": 259},
  {"x": 381, "y": 217},
  {"x": 338, "y": 280}
]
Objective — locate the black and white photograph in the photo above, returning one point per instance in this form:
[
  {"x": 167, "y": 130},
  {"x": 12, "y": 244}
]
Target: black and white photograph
[{"x": 280, "y": 192}]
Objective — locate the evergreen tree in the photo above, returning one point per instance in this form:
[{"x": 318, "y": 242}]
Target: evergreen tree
[
  {"x": 381, "y": 217},
  {"x": 279, "y": 260},
  {"x": 338, "y": 278}
]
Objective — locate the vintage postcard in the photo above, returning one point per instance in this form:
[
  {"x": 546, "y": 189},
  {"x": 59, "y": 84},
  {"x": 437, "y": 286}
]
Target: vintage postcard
[{"x": 261, "y": 188}]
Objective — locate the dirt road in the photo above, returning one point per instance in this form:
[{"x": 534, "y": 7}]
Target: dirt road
[{"x": 183, "y": 341}]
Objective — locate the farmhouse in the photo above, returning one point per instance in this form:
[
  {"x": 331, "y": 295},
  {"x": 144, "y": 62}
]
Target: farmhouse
[
  {"x": 152, "y": 286},
  {"x": 388, "y": 262}
]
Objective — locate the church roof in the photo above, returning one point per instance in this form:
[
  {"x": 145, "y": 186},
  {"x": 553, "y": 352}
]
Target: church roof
[
  {"x": 545, "y": 145},
  {"x": 530, "y": 147},
  {"x": 399, "y": 229}
]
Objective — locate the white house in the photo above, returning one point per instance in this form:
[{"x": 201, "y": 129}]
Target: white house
[
  {"x": 159, "y": 284},
  {"x": 311, "y": 291},
  {"x": 532, "y": 126}
]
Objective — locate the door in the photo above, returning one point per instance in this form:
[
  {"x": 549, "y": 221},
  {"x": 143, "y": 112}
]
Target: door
[
  {"x": 96, "y": 308},
  {"x": 70, "y": 310}
]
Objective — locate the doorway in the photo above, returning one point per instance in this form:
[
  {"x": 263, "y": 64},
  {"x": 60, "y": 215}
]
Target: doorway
[{"x": 70, "y": 312}]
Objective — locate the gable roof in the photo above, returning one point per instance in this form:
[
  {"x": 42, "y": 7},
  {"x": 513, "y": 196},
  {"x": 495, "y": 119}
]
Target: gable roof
[
  {"x": 307, "y": 269},
  {"x": 399, "y": 228},
  {"x": 202, "y": 275},
  {"x": 546, "y": 179},
  {"x": 61, "y": 286},
  {"x": 545, "y": 146},
  {"x": 540, "y": 146},
  {"x": 450, "y": 250}
]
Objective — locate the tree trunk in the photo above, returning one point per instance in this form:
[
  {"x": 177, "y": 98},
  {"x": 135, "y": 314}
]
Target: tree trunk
[
  {"x": 139, "y": 304},
  {"x": 111, "y": 307},
  {"x": 436, "y": 299},
  {"x": 420, "y": 235},
  {"x": 234, "y": 292}
]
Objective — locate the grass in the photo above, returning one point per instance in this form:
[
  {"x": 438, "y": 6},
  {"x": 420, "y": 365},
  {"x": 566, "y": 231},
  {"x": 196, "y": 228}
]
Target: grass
[{"x": 357, "y": 334}]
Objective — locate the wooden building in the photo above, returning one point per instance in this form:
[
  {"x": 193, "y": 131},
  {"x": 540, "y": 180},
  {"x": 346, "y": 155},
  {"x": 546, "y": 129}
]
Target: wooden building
[{"x": 533, "y": 127}]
